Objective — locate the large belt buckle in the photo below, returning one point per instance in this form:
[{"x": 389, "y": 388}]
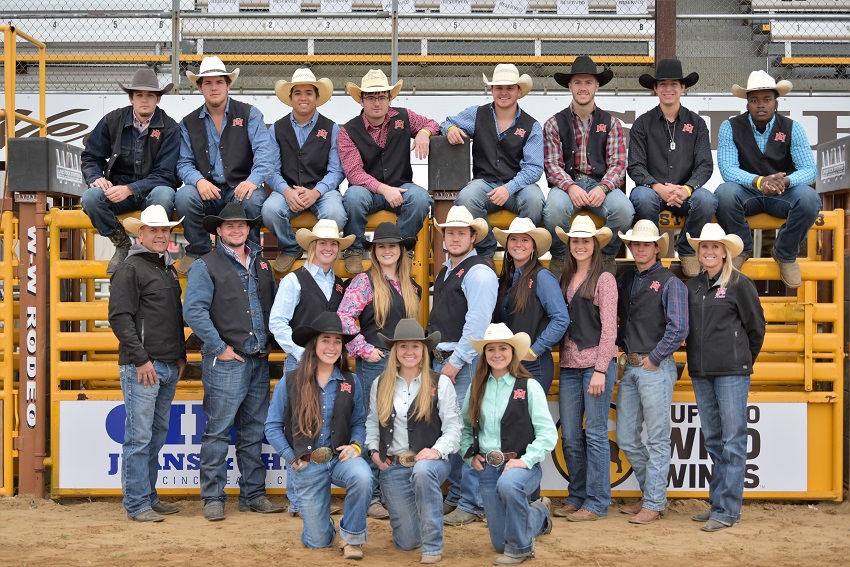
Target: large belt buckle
[
  {"x": 407, "y": 459},
  {"x": 634, "y": 359},
  {"x": 495, "y": 458},
  {"x": 321, "y": 455}
]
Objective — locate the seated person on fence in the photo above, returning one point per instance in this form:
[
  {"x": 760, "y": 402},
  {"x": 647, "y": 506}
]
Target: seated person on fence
[
  {"x": 130, "y": 162},
  {"x": 225, "y": 156},
  {"x": 306, "y": 173},
  {"x": 375, "y": 156},
  {"x": 584, "y": 154},
  {"x": 767, "y": 166},
  {"x": 670, "y": 159},
  {"x": 507, "y": 154}
]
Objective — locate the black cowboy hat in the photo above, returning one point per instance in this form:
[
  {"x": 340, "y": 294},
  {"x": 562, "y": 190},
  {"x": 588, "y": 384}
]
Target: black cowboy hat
[
  {"x": 668, "y": 70},
  {"x": 411, "y": 330},
  {"x": 230, "y": 212},
  {"x": 584, "y": 65},
  {"x": 326, "y": 322},
  {"x": 388, "y": 233}
]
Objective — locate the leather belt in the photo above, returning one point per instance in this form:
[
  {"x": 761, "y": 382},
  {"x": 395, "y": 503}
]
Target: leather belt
[
  {"x": 442, "y": 355},
  {"x": 498, "y": 458},
  {"x": 406, "y": 459},
  {"x": 320, "y": 456},
  {"x": 579, "y": 175},
  {"x": 635, "y": 358}
]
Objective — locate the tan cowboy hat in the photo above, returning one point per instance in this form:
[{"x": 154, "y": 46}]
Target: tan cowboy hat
[
  {"x": 212, "y": 66},
  {"x": 542, "y": 237},
  {"x": 324, "y": 86},
  {"x": 410, "y": 330},
  {"x": 584, "y": 227},
  {"x": 325, "y": 229},
  {"x": 459, "y": 216},
  {"x": 712, "y": 232},
  {"x": 761, "y": 81},
  {"x": 646, "y": 231},
  {"x": 154, "y": 215},
  {"x": 375, "y": 81},
  {"x": 500, "y": 333},
  {"x": 507, "y": 74},
  {"x": 145, "y": 80}
]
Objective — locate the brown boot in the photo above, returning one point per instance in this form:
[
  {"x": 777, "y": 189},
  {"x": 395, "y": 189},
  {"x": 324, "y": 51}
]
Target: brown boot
[
  {"x": 353, "y": 261},
  {"x": 122, "y": 246}
]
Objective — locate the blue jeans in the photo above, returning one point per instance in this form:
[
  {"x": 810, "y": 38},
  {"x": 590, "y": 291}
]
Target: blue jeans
[
  {"x": 616, "y": 209},
  {"x": 148, "y": 412},
  {"x": 235, "y": 394},
  {"x": 189, "y": 204},
  {"x": 722, "y": 405},
  {"x": 102, "y": 212},
  {"x": 360, "y": 202},
  {"x": 586, "y": 450},
  {"x": 415, "y": 503},
  {"x": 289, "y": 365},
  {"x": 799, "y": 206},
  {"x": 697, "y": 209},
  {"x": 527, "y": 203},
  {"x": 647, "y": 395},
  {"x": 277, "y": 217},
  {"x": 463, "y": 482},
  {"x": 542, "y": 369},
  {"x": 313, "y": 486},
  {"x": 513, "y": 521},
  {"x": 368, "y": 372}
]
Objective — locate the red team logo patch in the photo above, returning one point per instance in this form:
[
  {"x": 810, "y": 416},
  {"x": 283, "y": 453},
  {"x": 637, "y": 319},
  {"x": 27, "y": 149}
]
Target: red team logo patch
[
  {"x": 345, "y": 387},
  {"x": 519, "y": 394},
  {"x": 520, "y": 132},
  {"x": 338, "y": 288},
  {"x": 263, "y": 265},
  {"x": 399, "y": 124},
  {"x": 601, "y": 128},
  {"x": 237, "y": 122},
  {"x": 655, "y": 286},
  {"x": 780, "y": 137},
  {"x": 460, "y": 273},
  {"x": 689, "y": 128},
  {"x": 155, "y": 134},
  {"x": 721, "y": 293},
  {"x": 322, "y": 134}
]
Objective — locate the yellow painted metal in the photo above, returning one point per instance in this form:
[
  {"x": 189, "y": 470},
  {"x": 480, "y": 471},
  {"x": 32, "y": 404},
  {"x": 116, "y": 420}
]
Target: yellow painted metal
[
  {"x": 9, "y": 362},
  {"x": 10, "y": 36}
]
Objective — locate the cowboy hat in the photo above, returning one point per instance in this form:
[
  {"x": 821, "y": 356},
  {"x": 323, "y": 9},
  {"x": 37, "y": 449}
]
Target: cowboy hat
[
  {"x": 646, "y": 231},
  {"x": 388, "y": 233},
  {"x": 326, "y": 322},
  {"x": 712, "y": 232},
  {"x": 459, "y": 216},
  {"x": 325, "y": 229},
  {"x": 542, "y": 238},
  {"x": 584, "y": 65},
  {"x": 145, "y": 80},
  {"x": 154, "y": 215},
  {"x": 584, "y": 227},
  {"x": 761, "y": 81},
  {"x": 507, "y": 74},
  {"x": 230, "y": 212},
  {"x": 212, "y": 67},
  {"x": 324, "y": 87},
  {"x": 500, "y": 333},
  {"x": 375, "y": 81},
  {"x": 668, "y": 70},
  {"x": 411, "y": 330}
]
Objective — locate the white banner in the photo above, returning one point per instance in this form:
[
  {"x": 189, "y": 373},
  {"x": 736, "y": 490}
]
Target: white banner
[
  {"x": 223, "y": 6},
  {"x": 404, "y": 6},
  {"x": 284, "y": 6},
  {"x": 637, "y": 7},
  {"x": 335, "y": 6},
  {"x": 510, "y": 6},
  {"x": 570, "y": 7},
  {"x": 455, "y": 6}
]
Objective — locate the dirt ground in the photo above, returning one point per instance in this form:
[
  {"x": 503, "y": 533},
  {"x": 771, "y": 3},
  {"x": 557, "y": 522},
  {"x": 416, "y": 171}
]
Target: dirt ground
[{"x": 83, "y": 532}]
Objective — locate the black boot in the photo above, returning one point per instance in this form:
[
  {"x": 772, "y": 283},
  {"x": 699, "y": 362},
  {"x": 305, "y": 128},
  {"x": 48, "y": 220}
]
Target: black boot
[{"x": 122, "y": 246}]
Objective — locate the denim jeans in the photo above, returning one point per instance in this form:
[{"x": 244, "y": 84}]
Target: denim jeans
[
  {"x": 235, "y": 394},
  {"x": 289, "y": 365},
  {"x": 148, "y": 412},
  {"x": 189, "y": 204},
  {"x": 697, "y": 209},
  {"x": 360, "y": 202},
  {"x": 368, "y": 372},
  {"x": 527, "y": 202},
  {"x": 513, "y": 521},
  {"x": 463, "y": 482},
  {"x": 313, "y": 486},
  {"x": 415, "y": 504},
  {"x": 102, "y": 212},
  {"x": 647, "y": 395},
  {"x": 799, "y": 206},
  {"x": 722, "y": 405},
  {"x": 542, "y": 369},
  {"x": 587, "y": 451},
  {"x": 616, "y": 209},
  {"x": 277, "y": 217}
]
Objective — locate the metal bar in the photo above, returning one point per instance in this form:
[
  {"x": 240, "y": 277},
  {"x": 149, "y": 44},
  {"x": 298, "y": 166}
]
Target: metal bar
[
  {"x": 8, "y": 345},
  {"x": 665, "y": 29},
  {"x": 394, "y": 66},
  {"x": 29, "y": 119},
  {"x": 175, "y": 45}
]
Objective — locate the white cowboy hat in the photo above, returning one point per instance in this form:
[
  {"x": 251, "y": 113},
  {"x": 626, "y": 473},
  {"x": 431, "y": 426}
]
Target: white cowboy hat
[
  {"x": 375, "y": 81},
  {"x": 646, "y": 231},
  {"x": 761, "y": 81},
  {"x": 507, "y": 74},
  {"x": 154, "y": 215},
  {"x": 324, "y": 87},
  {"x": 212, "y": 67},
  {"x": 325, "y": 229},
  {"x": 459, "y": 216},
  {"x": 500, "y": 333},
  {"x": 584, "y": 227},
  {"x": 542, "y": 237},
  {"x": 712, "y": 232}
]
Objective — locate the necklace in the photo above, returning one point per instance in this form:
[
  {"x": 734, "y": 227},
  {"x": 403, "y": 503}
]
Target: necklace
[{"x": 671, "y": 134}]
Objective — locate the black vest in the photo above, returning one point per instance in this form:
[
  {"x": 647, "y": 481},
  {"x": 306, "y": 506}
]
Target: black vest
[
  {"x": 597, "y": 141},
  {"x": 237, "y": 155},
  {"x": 777, "y": 152},
  {"x": 369, "y": 329},
  {"x": 642, "y": 331},
  {"x": 448, "y": 313},
  {"x": 495, "y": 160},
  {"x": 585, "y": 323},
  {"x": 390, "y": 164},
  {"x": 420, "y": 434},
  {"x": 666, "y": 165},
  {"x": 532, "y": 320},
  {"x": 313, "y": 302},
  {"x": 517, "y": 429},
  {"x": 120, "y": 169},
  {"x": 340, "y": 420},
  {"x": 308, "y": 164}
]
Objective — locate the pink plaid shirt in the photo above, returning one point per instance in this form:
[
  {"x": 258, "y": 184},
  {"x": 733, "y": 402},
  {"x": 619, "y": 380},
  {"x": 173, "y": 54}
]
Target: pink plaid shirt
[{"x": 598, "y": 356}]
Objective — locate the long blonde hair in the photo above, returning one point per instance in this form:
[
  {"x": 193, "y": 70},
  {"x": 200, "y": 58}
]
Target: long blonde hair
[
  {"x": 386, "y": 388},
  {"x": 382, "y": 294}
]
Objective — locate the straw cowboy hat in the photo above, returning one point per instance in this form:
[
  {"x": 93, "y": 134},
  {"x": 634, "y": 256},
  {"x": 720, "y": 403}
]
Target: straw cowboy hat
[
  {"x": 459, "y": 216},
  {"x": 145, "y": 80},
  {"x": 542, "y": 237},
  {"x": 230, "y": 212},
  {"x": 324, "y": 87},
  {"x": 712, "y": 232},
  {"x": 154, "y": 215},
  {"x": 212, "y": 67},
  {"x": 646, "y": 231},
  {"x": 584, "y": 65},
  {"x": 325, "y": 229},
  {"x": 326, "y": 322},
  {"x": 507, "y": 74},
  {"x": 375, "y": 81},
  {"x": 500, "y": 333},
  {"x": 668, "y": 70},
  {"x": 389, "y": 233},
  {"x": 411, "y": 330},
  {"x": 583, "y": 227},
  {"x": 761, "y": 81}
]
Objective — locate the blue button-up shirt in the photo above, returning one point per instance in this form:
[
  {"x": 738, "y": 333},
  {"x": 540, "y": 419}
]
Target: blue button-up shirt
[
  {"x": 332, "y": 178},
  {"x": 550, "y": 297}
]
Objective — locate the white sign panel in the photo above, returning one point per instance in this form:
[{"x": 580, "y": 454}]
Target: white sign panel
[
  {"x": 455, "y": 6},
  {"x": 284, "y": 6},
  {"x": 223, "y": 6},
  {"x": 570, "y": 7},
  {"x": 404, "y": 6},
  {"x": 510, "y": 7},
  {"x": 631, "y": 7},
  {"x": 335, "y": 6}
]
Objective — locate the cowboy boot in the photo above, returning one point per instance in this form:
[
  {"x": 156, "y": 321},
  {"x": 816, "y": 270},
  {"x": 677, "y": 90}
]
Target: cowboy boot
[{"x": 122, "y": 246}]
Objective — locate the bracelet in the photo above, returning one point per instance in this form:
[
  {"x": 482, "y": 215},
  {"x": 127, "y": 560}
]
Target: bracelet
[
  {"x": 356, "y": 445},
  {"x": 532, "y": 352},
  {"x": 426, "y": 131},
  {"x": 759, "y": 179},
  {"x": 450, "y": 127},
  {"x": 688, "y": 189}
]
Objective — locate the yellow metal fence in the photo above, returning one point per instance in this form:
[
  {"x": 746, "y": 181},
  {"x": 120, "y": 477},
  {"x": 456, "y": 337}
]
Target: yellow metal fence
[{"x": 9, "y": 362}]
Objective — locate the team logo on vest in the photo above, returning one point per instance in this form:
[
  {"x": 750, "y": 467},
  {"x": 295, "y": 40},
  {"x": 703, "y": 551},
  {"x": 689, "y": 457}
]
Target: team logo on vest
[
  {"x": 345, "y": 387},
  {"x": 519, "y": 394},
  {"x": 338, "y": 288},
  {"x": 601, "y": 128},
  {"x": 520, "y": 132},
  {"x": 322, "y": 134},
  {"x": 399, "y": 124},
  {"x": 155, "y": 134},
  {"x": 780, "y": 137},
  {"x": 263, "y": 265},
  {"x": 721, "y": 293},
  {"x": 530, "y": 283},
  {"x": 655, "y": 286},
  {"x": 689, "y": 128},
  {"x": 460, "y": 273},
  {"x": 237, "y": 122}
]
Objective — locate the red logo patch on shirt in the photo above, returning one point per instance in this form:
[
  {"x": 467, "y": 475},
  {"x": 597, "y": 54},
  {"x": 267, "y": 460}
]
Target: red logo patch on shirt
[
  {"x": 237, "y": 122},
  {"x": 433, "y": 392},
  {"x": 155, "y": 134},
  {"x": 519, "y": 394},
  {"x": 689, "y": 128},
  {"x": 399, "y": 124},
  {"x": 780, "y": 137},
  {"x": 721, "y": 293},
  {"x": 263, "y": 265},
  {"x": 655, "y": 286},
  {"x": 322, "y": 134},
  {"x": 530, "y": 283},
  {"x": 460, "y": 273},
  {"x": 338, "y": 288},
  {"x": 601, "y": 128},
  {"x": 520, "y": 132},
  {"x": 345, "y": 387}
]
